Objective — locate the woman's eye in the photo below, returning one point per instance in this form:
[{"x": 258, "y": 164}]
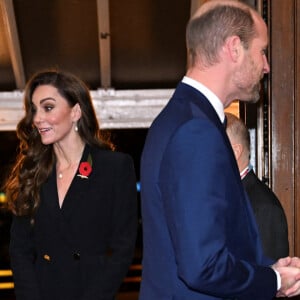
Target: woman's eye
[{"x": 48, "y": 107}]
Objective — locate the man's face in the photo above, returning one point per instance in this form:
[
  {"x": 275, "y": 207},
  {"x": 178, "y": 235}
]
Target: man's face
[{"x": 253, "y": 67}]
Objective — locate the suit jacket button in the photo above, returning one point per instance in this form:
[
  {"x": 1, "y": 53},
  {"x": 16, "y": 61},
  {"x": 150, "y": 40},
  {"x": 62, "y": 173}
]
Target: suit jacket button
[{"x": 76, "y": 256}]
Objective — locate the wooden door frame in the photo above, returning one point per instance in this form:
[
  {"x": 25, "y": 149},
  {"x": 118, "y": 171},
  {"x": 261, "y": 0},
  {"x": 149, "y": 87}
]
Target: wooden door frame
[{"x": 285, "y": 111}]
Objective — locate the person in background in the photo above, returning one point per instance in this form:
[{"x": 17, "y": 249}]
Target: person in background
[
  {"x": 200, "y": 239},
  {"x": 73, "y": 199},
  {"x": 268, "y": 211}
]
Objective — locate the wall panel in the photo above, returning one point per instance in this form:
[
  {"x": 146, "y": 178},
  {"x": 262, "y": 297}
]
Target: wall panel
[{"x": 283, "y": 116}]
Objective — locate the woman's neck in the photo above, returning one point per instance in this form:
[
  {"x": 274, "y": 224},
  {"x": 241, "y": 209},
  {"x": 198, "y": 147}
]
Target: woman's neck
[{"x": 67, "y": 155}]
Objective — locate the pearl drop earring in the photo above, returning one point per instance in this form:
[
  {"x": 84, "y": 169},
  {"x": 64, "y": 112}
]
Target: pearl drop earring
[{"x": 76, "y": 127}]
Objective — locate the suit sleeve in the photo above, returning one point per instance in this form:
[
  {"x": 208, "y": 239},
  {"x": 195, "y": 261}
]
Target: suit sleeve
[
  {"x": 194, "y": 186},
  {"x": 123, "y": 233},
  {"x": 22, "y": 257}
]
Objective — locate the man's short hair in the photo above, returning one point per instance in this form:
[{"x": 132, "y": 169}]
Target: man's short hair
[
  {"x": 206, "y": 33},
  {"x": 237, "y": 129}
]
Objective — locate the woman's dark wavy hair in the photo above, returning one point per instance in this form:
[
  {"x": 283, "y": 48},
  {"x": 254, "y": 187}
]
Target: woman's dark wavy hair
[{"x": 35, "y": 160}]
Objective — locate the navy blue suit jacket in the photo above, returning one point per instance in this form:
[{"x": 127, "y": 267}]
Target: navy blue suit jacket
[{"x": 200, "y": 237}]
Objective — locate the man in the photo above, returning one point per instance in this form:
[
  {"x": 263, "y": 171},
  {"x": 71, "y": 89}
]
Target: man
[
  {"x": 269, "y": 214},
  {"x": 200, "y": 239}
]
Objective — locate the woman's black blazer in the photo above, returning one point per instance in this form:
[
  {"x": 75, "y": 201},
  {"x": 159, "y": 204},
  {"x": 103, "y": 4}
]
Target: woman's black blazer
[{"x": 82, "y": 250}]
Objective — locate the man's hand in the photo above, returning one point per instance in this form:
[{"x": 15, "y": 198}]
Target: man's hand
[
  {"x": 295, "y": 262},
  {"x": 283, "y": 262},
  {"x": 289, "y": 270}
]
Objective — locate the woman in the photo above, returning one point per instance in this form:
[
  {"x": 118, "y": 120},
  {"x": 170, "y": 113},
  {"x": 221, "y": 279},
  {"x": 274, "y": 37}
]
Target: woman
[{"x": 73, "y": 198}]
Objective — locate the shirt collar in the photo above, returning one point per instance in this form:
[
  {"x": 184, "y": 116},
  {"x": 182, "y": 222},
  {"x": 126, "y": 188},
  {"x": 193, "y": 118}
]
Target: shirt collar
[
  {"x": 211, "y": 97},
  {"x": 244, "y": 172}
]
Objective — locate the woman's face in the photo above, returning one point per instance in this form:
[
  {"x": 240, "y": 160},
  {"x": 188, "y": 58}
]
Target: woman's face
[{"x": 53, "y": 116}]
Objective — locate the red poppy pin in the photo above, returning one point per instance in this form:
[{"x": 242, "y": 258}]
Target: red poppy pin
[{"x": 85, "y": 168}]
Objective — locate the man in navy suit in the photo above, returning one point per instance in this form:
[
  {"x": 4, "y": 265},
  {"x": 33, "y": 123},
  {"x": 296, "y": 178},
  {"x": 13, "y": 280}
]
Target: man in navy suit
[
  {"x": 199, "y": 233},
  {"x": 268, "y": 211}
]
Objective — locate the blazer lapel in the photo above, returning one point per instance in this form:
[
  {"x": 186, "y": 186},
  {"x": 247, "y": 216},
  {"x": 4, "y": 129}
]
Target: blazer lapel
[
  {"x": 49, "y": 196},
  {"x": 77, "y": 189}
]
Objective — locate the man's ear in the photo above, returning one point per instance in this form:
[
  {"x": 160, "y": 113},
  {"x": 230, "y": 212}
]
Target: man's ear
[
  {"x": 238, "y": 150},
  {"x": 76, "y": 110},
  {"x": 233, "y": 47}
]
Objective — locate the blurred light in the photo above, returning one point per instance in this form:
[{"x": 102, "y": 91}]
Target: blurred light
[
  {"x": 2, "y": 197},
  {"x": 138, "y": 186}
]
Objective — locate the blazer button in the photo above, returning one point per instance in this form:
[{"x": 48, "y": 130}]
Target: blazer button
[
  {"x": 76, "y": 256},
  {"x": 47, "y": 257}
]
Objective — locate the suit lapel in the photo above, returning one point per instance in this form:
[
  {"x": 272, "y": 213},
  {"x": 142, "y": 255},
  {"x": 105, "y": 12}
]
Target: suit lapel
[{"x": 201, "y": 106}]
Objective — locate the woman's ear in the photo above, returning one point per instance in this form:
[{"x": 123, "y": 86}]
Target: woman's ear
[{"x": 76, "y": 110}]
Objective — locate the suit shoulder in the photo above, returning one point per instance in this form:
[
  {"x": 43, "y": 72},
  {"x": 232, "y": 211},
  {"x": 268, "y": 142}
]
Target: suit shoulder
[
  {"x": 110, "y": 155},
  {"x": 259, "y": 191}
]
